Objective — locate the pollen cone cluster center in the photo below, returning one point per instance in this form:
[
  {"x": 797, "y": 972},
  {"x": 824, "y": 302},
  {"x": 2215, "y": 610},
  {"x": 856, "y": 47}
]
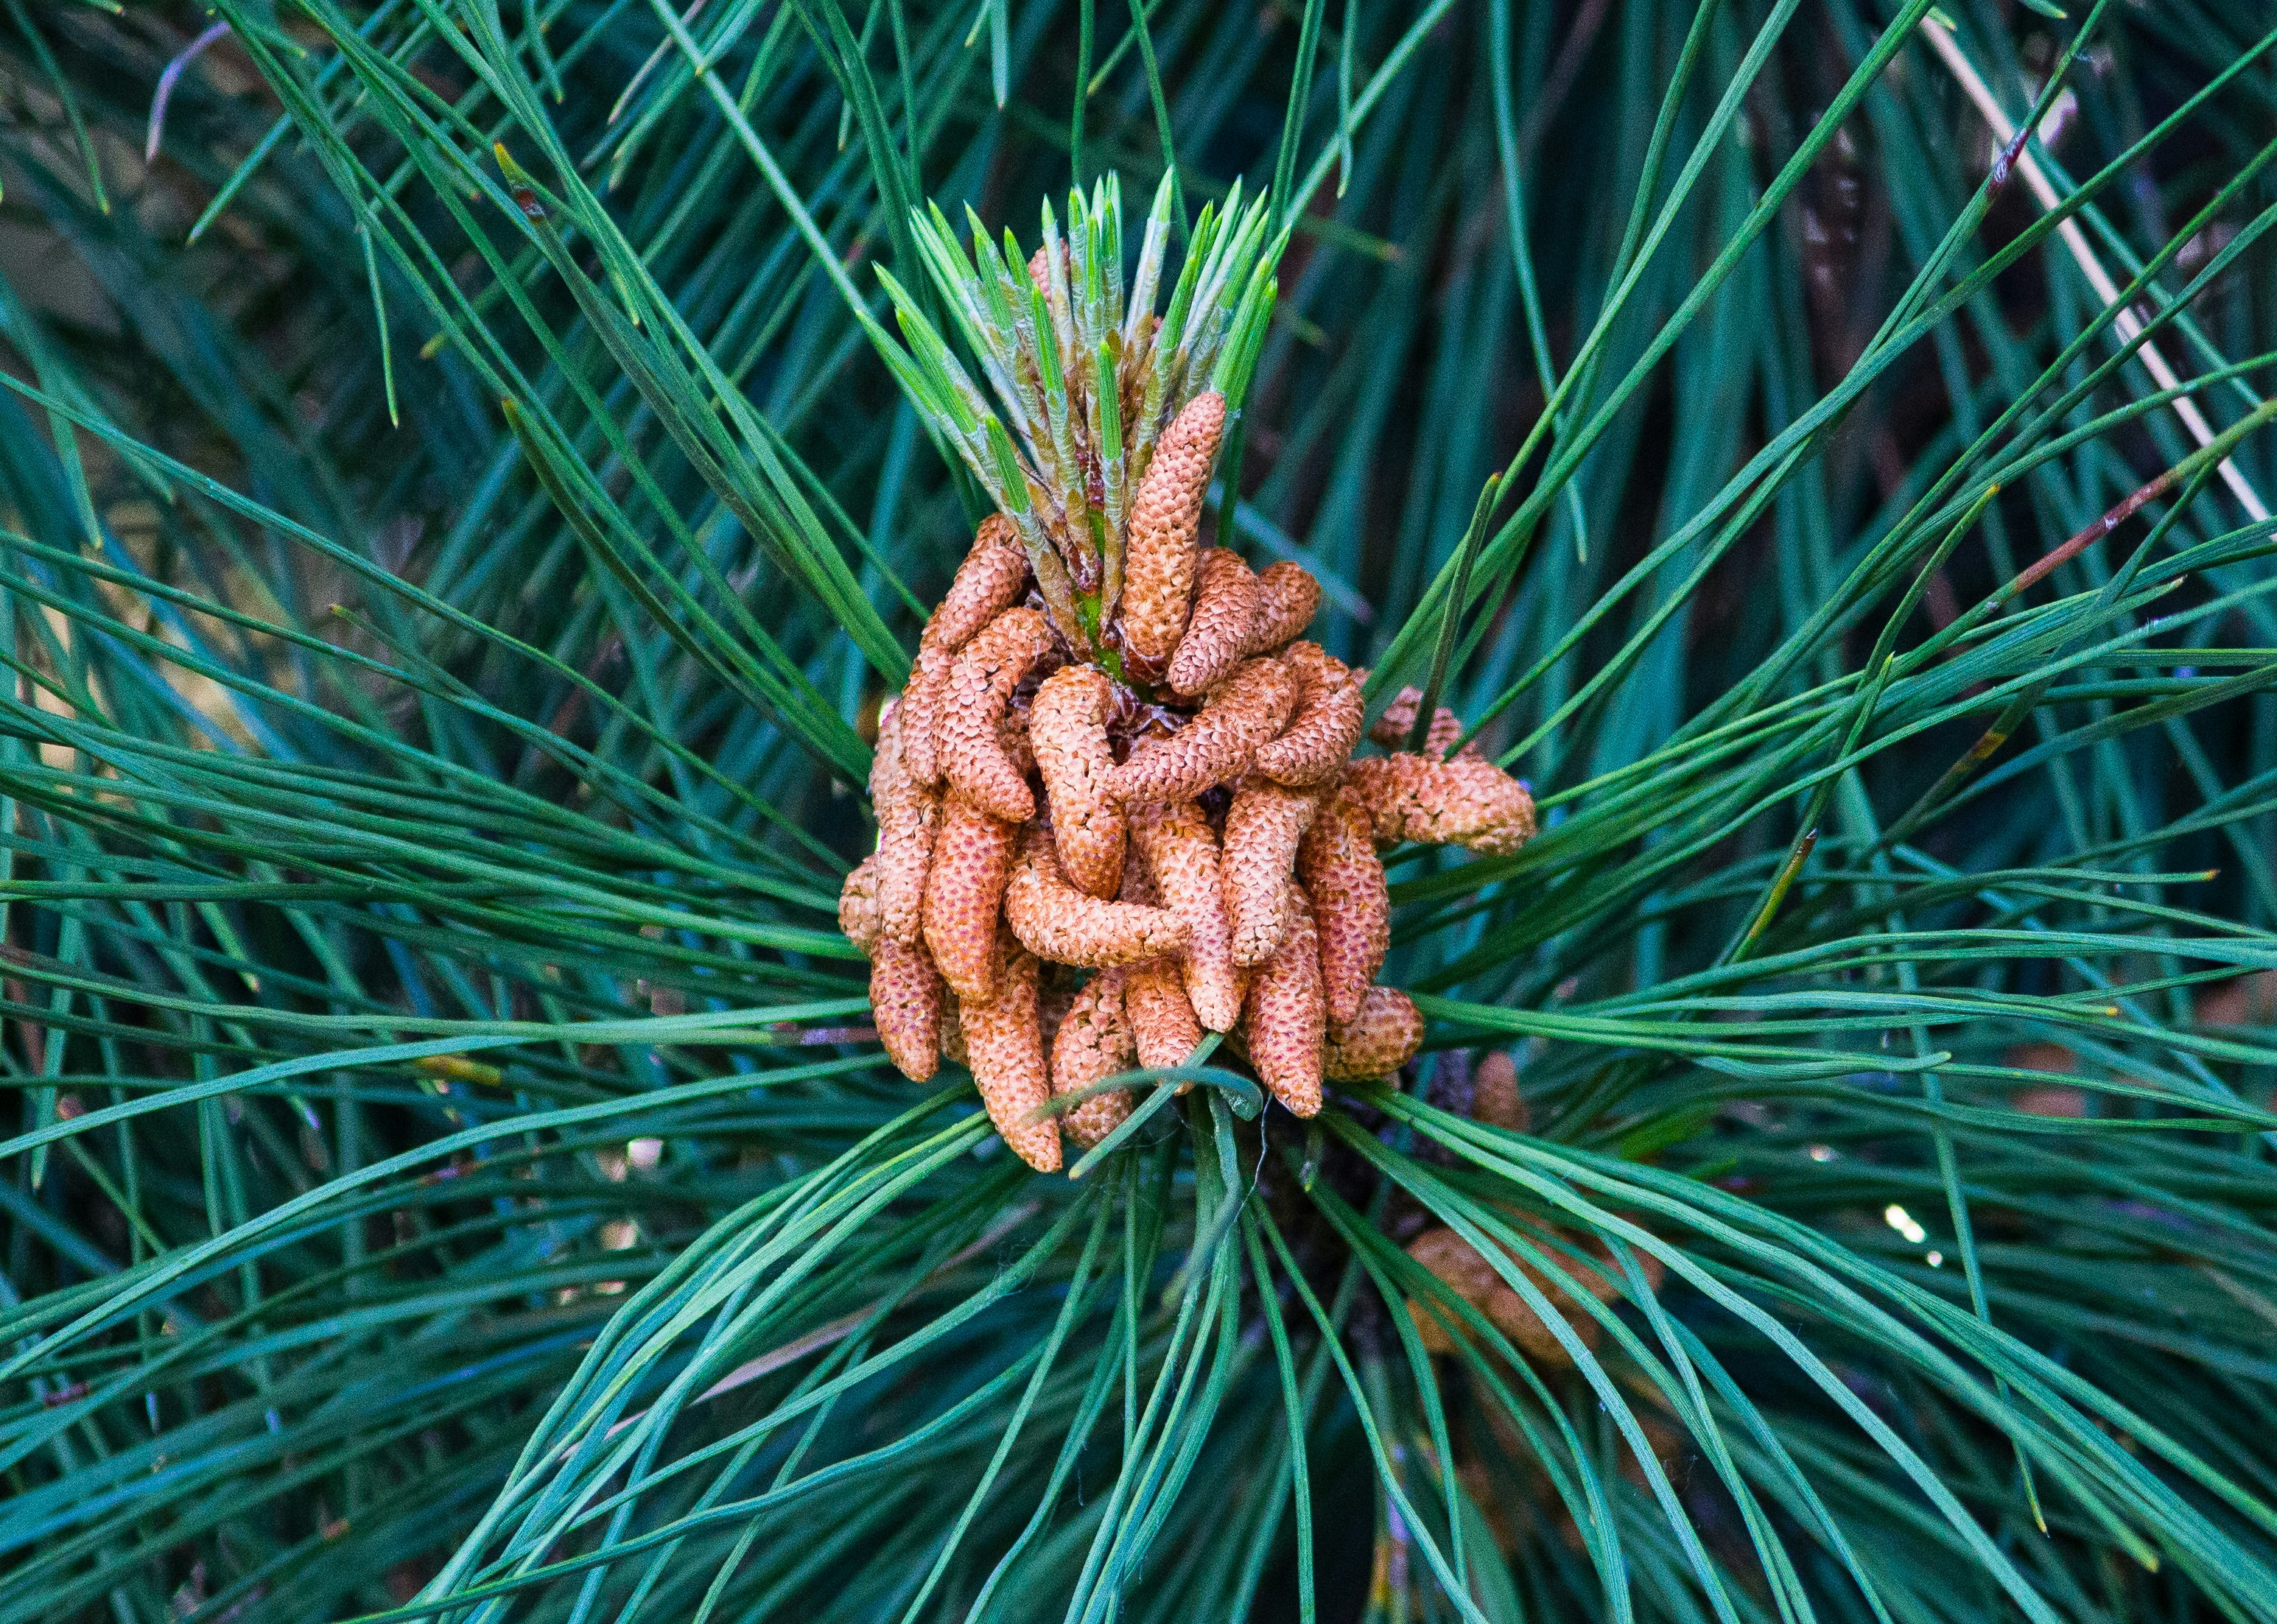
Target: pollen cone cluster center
[
  {"x": 1120, "y": 809},
  {"x": 1203, "y": 846}
]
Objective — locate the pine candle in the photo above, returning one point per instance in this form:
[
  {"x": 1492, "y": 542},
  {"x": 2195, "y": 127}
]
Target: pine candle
[{"x": 1114, "y": 753}]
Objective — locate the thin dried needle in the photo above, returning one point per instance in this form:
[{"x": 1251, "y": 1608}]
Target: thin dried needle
[{"x": 2127, "y": 323}]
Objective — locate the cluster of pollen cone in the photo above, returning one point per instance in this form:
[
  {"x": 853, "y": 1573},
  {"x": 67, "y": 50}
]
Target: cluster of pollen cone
[{"x": 1098, "y": 841}]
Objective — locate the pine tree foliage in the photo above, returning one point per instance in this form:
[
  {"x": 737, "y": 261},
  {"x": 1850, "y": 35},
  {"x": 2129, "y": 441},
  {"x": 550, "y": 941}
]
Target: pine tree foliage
[{"x": 456, "y": 528}]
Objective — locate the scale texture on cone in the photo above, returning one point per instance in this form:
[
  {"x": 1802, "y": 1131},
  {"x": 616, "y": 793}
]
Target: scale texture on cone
[
  {"x": 1381, "y": 1035},
  {"x": 1092, "y": 1043}
]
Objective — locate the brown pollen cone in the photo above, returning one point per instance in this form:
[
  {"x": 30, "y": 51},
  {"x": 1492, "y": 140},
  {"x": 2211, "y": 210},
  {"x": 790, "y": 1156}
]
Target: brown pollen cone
[
  {"x": 1464, "y": 1272},
  {"x": 1159, "y": 561},
  {"x": 1217, "y": 747},
  {"x": 907, "y": 814},
  {"x": 1005, "y": 1049},
  {"x": 1325, "y": 726},
  {"x": 920, "y": 712},
  {"x": 1440, "y": 737},
  {"x": 1495, "y": 1099},
  {"x": 858, "y": 904},
  {"x": 1053, "y": 919},
  {"x": 1390, "y": 729},
  {"x": 1067, "y": 728},
  {"x": 991, "y": 579},
  {"x": 1092, "y": 1043},
  {"x": 905, "y": 997},
  {"x": 979, "y": 690},
  {"x": 1288, "y": 596},
  {"x": 1398, "y": 720},
  {"x": 1218, "y": 632},
  {"x": 1467, "y": 801},
  {"x": 1262, "y": 829},
  {"x": 972, "y": 858},
  {"x": 1154, "y": 1001},
  {"x": 1352, "y": 905},
  {"x": 1377, "y": 1041},
  {"x": 1182, "y": 857},
  {"x": 1288, "y": 1020},
  {"x": 1162, "y": 1024},
  {"x": 1565, "y": 1281}
]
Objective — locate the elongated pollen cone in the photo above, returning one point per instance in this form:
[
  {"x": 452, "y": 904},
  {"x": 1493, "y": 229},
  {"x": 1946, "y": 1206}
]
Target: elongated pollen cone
[
  {"x": 920, "y": 713},
  {"x": 1262, "y": 829},
  {"x": 905, "y": 997},
  {"x": 1288, "y": 596},
  {"x": 858, "y": 904},
  {"x": 907, "y": 812},
  {"x": 1326, "y": 724},
  {"x": 1287, "y": 1020},
  {"x": 1004, "y": 1043},
  {"x": 1163, "y": 1023},
  {"x": 1218, "y": 632},
  {"x": 1093, "y": 1044},
  {"x": 1467, "y": 801},
  {"x": 1217, "y": 747},
  {"x": 989, "y": 581},
  {"x": 1160, "y": 560},
  {"x": 1067, "y": 726},
  {"x": 1382, "y": 1036},
  {"x": 1351, "y": 903},
  {"x": 980, "y": 685},
  {"x": 1398, "y": 718},
  {"x": 1055, "y": 921},
  {"x": 964, "y": 896},
  {"x": 1182, "y": 857}
]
